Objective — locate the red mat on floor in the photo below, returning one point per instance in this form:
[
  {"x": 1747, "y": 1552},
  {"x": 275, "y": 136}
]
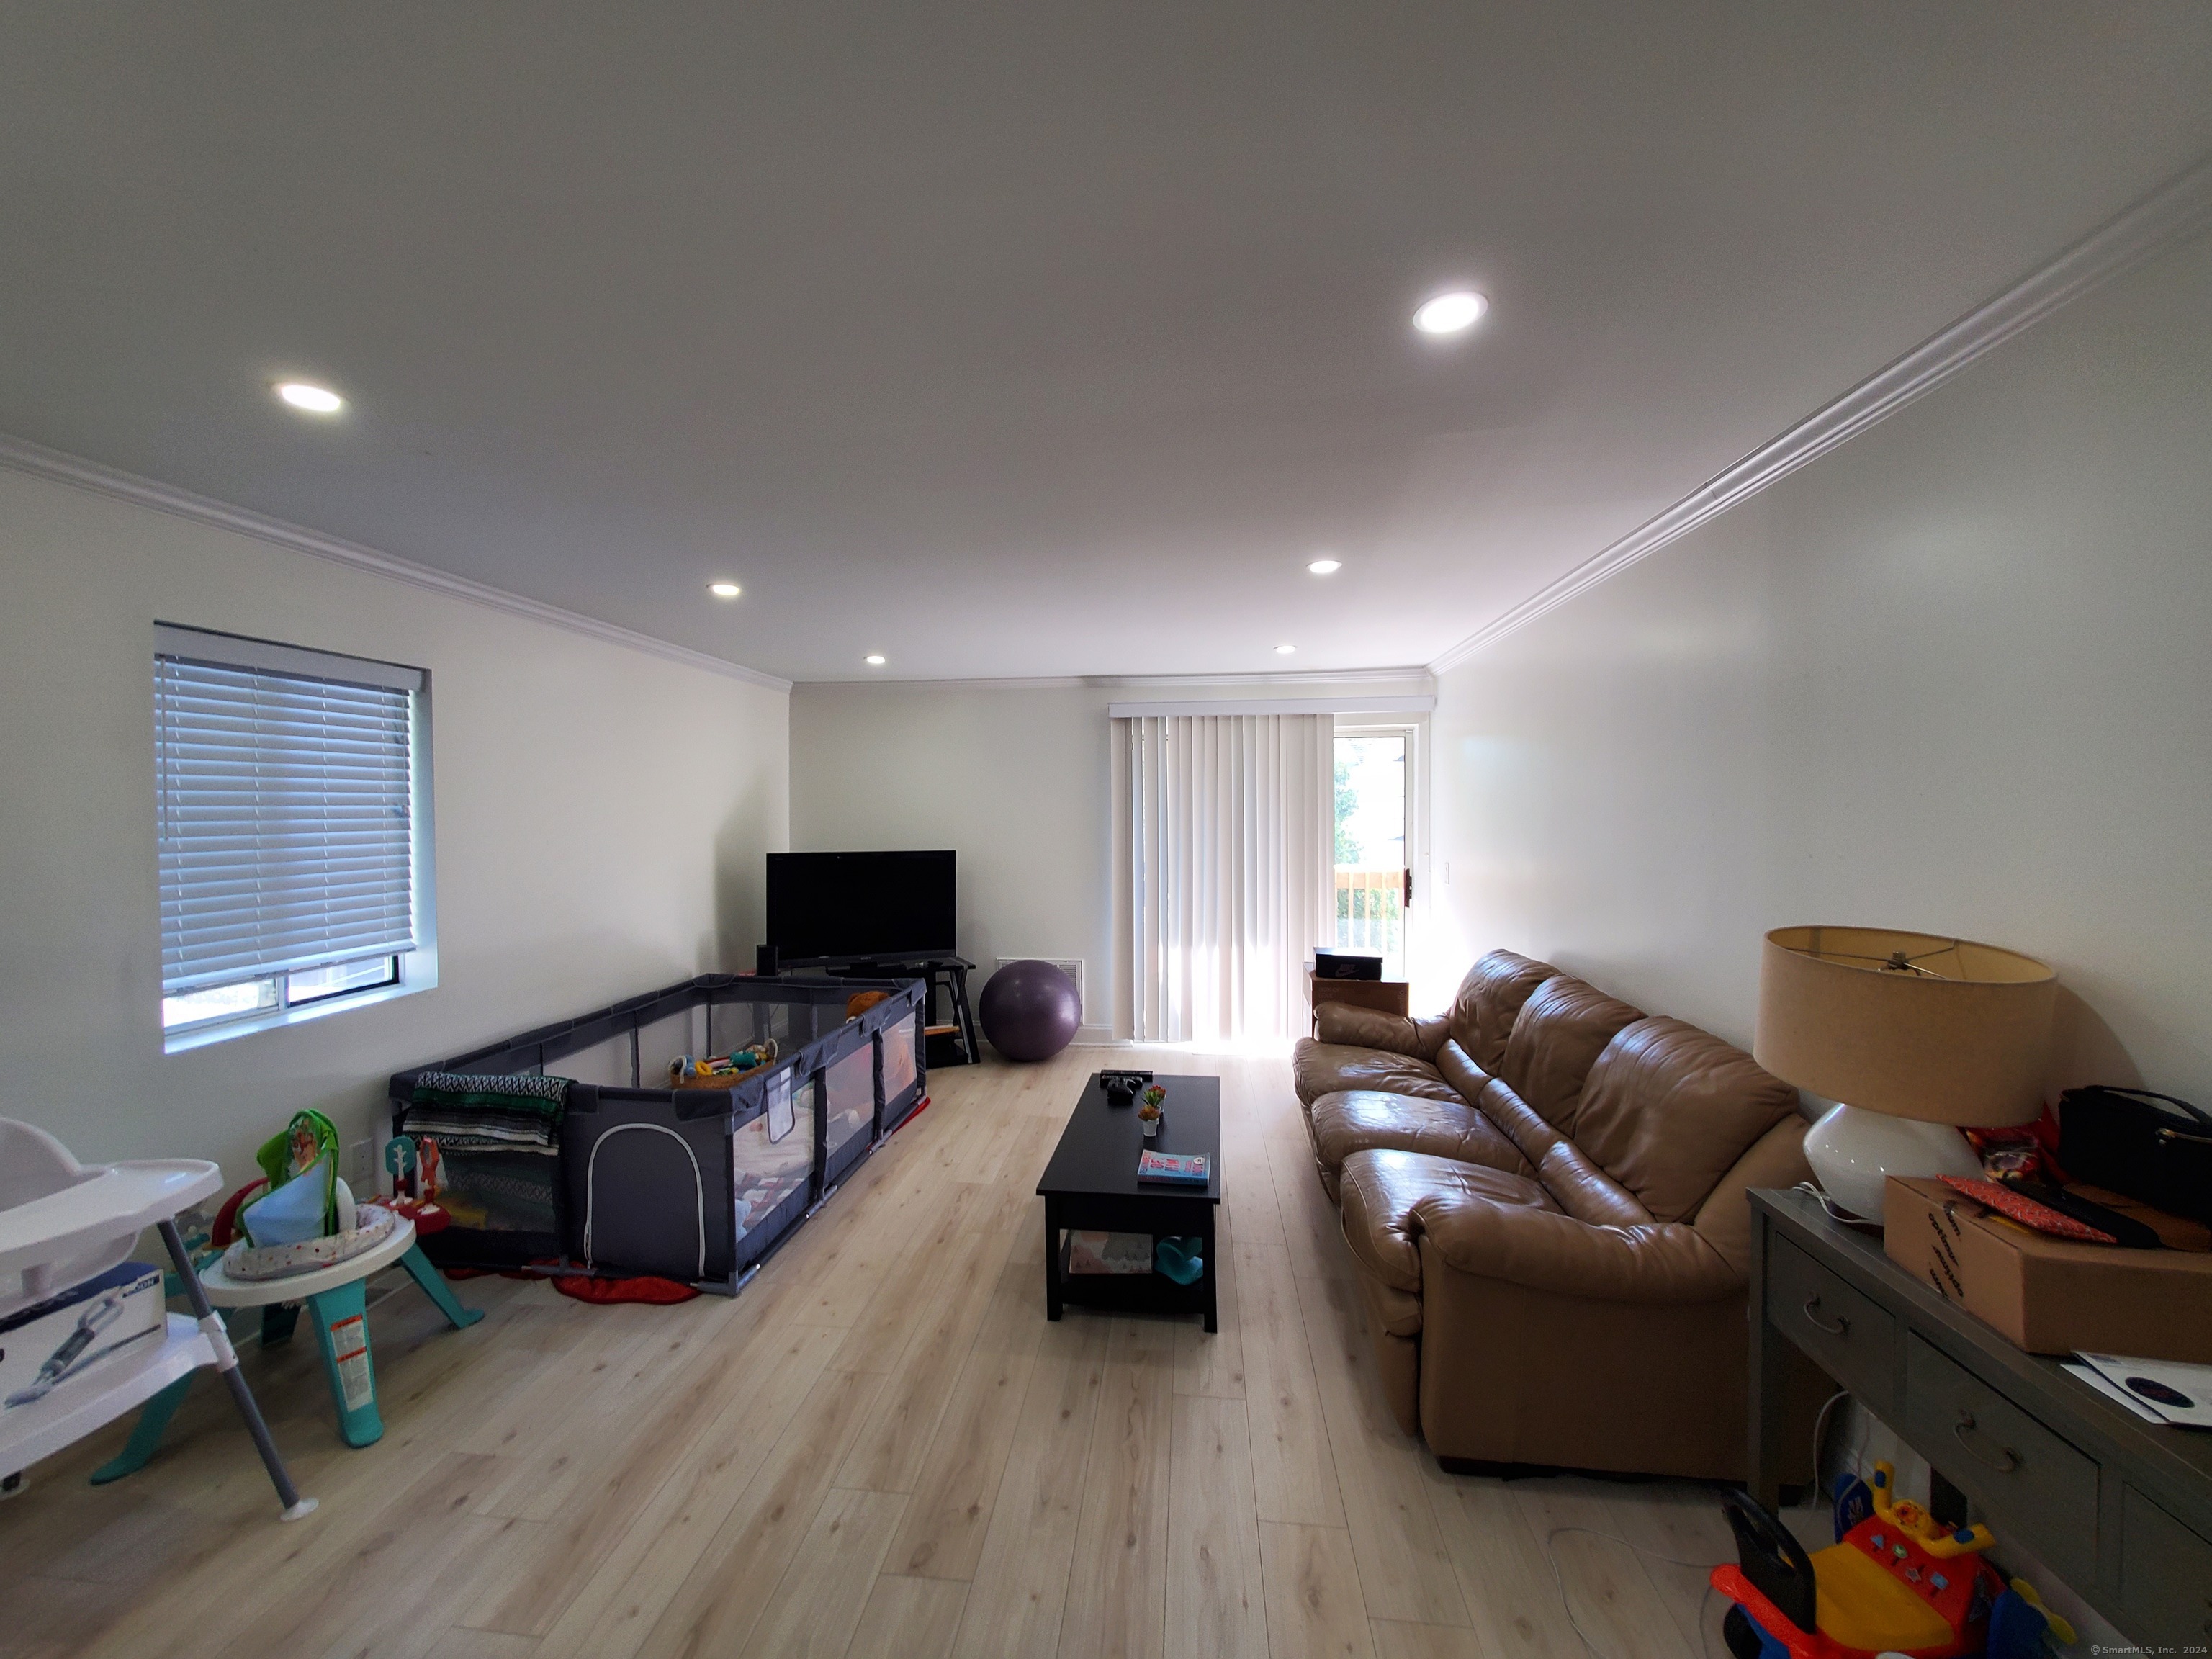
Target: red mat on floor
[{"x": 644, "y": 1287}]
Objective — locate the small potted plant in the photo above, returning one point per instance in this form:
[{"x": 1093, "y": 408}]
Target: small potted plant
[{"x": 1149, "y": 1112}]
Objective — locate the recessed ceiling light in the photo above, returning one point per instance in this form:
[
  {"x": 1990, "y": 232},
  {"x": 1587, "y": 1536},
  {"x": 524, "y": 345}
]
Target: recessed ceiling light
[
  {"x": 1285, "y": 650},
  {"x": 1451, "y": 313},
  {"x": 1326, "y": 567},
  {"x": 724, "y": 590},
  {"x": 875, "y": 660},
  {"x": 315, "y": 399}
]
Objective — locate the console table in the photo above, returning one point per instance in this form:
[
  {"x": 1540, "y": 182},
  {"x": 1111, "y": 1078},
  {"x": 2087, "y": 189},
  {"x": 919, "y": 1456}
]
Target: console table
[
  {"x": 2119, "y": 1508},
  {"x": 1387, "y": 995}
]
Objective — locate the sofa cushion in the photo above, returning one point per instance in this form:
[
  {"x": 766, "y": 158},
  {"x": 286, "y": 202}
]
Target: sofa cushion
[
  {"x": 1329, "y": 1068},
  {"x": 1385, "y": 1193},
  {"x": 1363, "y": 1118},
  {"x": 1489, "y": 1001},
  {"x": 1370, "y": 1028},
  {"x": 1563, "y": 1028},
  {"x": 1668, "y": 1108},
  {"x": 1776, "y": 1159}
]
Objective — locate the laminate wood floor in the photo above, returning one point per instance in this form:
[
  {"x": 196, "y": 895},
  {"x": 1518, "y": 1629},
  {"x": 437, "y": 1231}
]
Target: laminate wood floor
[{"x": 880, "y": 1448}]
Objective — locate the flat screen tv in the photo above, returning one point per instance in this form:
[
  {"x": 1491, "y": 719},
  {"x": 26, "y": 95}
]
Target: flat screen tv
[{"x": 824, "y": 907}]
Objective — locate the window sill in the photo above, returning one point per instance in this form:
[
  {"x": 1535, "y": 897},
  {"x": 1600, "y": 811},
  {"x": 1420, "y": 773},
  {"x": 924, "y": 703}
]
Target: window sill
[{"x": 418, "y": 976}]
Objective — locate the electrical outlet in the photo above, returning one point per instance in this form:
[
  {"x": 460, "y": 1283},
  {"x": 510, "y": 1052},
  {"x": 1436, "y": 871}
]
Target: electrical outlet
[{"x": 360, "y": 1172}]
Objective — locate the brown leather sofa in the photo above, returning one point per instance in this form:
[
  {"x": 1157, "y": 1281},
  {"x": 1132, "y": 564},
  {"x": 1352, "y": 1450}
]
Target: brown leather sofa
[{"x": 1543, "y": 1193}]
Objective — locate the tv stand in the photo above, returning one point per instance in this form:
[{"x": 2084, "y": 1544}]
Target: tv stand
[{"x": 949, "y": 972}]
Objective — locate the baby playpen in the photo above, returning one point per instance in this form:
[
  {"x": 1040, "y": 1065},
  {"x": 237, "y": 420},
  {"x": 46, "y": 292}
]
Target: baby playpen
[{"x": 631, "y": 1174}]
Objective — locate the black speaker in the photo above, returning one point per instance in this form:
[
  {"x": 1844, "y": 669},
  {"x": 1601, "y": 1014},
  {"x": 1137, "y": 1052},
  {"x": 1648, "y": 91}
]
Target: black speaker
[
  {"x": 1340, "y": 965},
  {"x": 764, "y": 961}
]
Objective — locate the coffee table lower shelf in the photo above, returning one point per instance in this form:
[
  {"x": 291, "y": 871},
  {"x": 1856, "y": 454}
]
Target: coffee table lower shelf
[{"x": 1152, "y": 1292}]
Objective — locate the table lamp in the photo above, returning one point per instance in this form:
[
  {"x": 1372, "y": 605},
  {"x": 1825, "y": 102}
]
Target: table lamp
[{"x": 1918, "y": 1035}]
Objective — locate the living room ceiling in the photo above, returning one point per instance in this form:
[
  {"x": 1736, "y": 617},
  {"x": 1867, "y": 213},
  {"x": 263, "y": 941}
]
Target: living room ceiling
[{"x": 1024, "y": 340}]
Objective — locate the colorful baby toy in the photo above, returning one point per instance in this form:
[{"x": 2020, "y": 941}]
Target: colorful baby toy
[
  {"x": 1898, "y": 1581},
  {"x": 720, "y": 1071}
]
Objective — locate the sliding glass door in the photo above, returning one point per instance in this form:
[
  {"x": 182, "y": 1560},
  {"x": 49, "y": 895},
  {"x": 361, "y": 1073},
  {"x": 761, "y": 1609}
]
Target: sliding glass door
[{"x": 1374, "y": 869}]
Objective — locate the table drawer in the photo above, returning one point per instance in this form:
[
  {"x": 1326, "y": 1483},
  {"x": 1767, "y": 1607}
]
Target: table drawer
[
  {"x": 2166, "y": 1576},
  {"x": 1853, "y": 1339},
  {"x": 2036, "y": 1486}
]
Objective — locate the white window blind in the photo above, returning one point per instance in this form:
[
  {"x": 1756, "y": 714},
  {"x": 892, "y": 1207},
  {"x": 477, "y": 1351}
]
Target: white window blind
[
  {"x": 286, "y": 807},
  {"x": 1229, "y": 876}
]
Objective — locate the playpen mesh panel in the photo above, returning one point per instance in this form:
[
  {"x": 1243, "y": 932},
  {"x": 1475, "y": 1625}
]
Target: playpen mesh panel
[
  {"x": 499, "y": 1190},
  {"x": 767, "y": 1173},
  {"x": 852, "y": 1088},
  {"x": 898, "y": 1059},
  {"x": 740, "y": 1025},
  {"x": 603, "y": 1063},
  {"x": 660, "y": 1043}
]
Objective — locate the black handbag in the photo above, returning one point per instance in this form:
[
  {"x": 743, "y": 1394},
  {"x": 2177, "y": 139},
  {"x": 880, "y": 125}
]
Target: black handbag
[{"x": 2151, "y": 1147}]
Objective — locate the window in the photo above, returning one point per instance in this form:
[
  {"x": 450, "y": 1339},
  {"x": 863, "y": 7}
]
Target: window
[{"x": 292, "y": 822}]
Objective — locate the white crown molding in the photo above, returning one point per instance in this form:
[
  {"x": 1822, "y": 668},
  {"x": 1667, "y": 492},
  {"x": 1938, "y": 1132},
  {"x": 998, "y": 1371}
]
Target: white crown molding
[
  {"x": 1411, "y": 681},
  {"x": 1414, "y": 679},
  {"x": 40, "y": 462},
  {"x": 885, "y": 682},
  {"x": 1340, "y": 705},
  {"x": 2170, "y": 215}
]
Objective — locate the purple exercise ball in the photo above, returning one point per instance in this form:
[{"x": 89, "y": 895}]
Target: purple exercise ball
[{"x": 1030, "y": 1010}]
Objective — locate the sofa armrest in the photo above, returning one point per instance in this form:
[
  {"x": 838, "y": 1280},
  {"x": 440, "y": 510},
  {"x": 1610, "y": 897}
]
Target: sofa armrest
[
  {"x": 1370, "y": 1028},
  {"x": 1543, "y": 1250}
]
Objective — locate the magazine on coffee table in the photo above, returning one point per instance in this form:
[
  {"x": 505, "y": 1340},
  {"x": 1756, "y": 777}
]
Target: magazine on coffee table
[{"x": 1183, "y": 1168}]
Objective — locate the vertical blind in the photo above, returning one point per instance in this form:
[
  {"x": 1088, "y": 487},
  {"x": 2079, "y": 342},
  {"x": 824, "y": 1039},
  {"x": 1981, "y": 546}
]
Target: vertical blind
[
  {"x": 1230, "y": 849},
  {"x": 285, "y": 815}
]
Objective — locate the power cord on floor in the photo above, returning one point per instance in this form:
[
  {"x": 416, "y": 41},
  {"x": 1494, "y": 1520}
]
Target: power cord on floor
[
  {"x": 1819, "y": 1429},
  {"x": 1559, "y": 1583},
  {"x": 1704, "y": 1636}
]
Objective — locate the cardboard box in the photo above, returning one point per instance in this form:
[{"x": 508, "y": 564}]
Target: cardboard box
[
  {"x": 48, "y": 1345},
  {"x": 2047, "y": 1294},
  {"x": 1109, "y": 1253}
]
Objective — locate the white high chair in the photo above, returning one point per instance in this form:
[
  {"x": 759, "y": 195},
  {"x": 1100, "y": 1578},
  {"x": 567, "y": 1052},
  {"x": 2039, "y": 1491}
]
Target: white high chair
[{"x": 62, "y": 1223}]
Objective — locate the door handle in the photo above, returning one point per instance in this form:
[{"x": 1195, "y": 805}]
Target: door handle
[
  {"x": 1409, "y": 887},
  {"x": 1966, "y": 1426},
  {"x": 1841, "y": 1328}
]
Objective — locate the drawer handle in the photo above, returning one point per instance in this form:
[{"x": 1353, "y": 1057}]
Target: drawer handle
[
  {"x": 1966, "y": 1426},
  {"x": 1841, "y": 1328}
]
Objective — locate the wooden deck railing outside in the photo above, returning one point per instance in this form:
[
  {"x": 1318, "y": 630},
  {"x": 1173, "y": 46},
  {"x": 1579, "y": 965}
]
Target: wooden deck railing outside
[{"x": 1371, "y": 910}]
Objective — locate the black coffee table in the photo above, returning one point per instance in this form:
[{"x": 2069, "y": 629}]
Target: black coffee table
[{"x": 1092, "y": 1184}]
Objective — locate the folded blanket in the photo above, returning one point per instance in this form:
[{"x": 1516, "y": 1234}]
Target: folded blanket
[{"x": 519, "y": 1112}]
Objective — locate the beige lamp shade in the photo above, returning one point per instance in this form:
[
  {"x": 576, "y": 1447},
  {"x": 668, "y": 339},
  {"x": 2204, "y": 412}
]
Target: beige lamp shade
[{"x": 1944, "y": 1030}]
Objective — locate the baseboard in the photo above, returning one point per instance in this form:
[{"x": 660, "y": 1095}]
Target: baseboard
[{"x": 1094, "y": 1036}]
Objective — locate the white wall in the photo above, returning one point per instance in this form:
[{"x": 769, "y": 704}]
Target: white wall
[
  {"x": 1018, "y": 780},
  {"x": 1955, "y": 676},
  {"x": 1014, "y": 782},
  {"x": 600, "y": 819}
]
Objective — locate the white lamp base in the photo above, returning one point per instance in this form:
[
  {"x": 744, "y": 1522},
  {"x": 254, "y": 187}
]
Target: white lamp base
[{"x": 1853, "y": 1151}]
